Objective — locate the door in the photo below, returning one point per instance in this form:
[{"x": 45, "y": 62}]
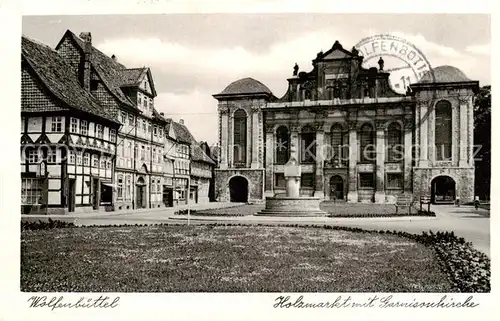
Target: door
[
  {"x": 71, "y": 195},
  {"x": 95, "y": 193},
  {"x": 336, "y": 188},
  {"x": 140, "y": 196}
]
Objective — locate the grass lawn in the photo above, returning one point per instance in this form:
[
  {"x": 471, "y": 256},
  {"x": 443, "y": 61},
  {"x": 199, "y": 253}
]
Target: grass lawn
[{"x": 224, "y": 259}]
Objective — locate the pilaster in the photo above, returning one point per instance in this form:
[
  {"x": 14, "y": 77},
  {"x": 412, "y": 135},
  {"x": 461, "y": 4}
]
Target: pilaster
[
  {"x": 224, "y": 144},
  {"x": 407, "y": 179},
  {"x": 319, "y": 188},
  {"x": 352, "y": 195},
  {"x": 255, "y": 137},
  {"x": 463, "y": 132},
  {"x": 380, "y": 163},
  {"x": 423, "y": 144},
  {"x": 269, "y": 179}
]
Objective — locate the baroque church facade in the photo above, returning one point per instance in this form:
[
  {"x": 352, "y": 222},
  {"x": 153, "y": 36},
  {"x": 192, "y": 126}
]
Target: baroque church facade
[{"x": 356, "y": 139}]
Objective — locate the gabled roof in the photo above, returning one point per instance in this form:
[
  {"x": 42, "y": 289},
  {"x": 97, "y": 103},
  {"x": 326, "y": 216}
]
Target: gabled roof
[
  {"x": 109, "y": 71},
  {"x": 133, "y": 76},
  {"x": 114, "y": 74},
  {"x": 337, "y": 52},
  {"x": 59, "y": 78}
]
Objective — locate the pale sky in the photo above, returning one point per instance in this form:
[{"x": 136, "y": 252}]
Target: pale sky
[{"x": 195, "y": 56}]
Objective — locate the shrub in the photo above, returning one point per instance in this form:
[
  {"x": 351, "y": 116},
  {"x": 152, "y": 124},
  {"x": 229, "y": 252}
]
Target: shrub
[{"x": 50, "y": 224}]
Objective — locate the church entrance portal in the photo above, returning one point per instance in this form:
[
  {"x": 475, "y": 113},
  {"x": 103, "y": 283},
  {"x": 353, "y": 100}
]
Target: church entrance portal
[
  {"x": 443, "y": 190},
  {"x": 238, "y": 189}
]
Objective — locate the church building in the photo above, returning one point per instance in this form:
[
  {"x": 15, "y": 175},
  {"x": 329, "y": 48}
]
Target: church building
[{"x": 356, "y": 139}]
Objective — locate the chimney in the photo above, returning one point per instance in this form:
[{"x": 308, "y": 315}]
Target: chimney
[
  {"x": 87, "y": 50},
  {"x": 181, "y": 121},
  {"x": 113, "y": 57}
]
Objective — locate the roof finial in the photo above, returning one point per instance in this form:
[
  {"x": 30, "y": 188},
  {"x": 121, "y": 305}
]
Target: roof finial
[{"x": 295, "y": 69}]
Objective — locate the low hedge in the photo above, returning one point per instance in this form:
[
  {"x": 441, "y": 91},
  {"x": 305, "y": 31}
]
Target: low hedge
[
  {"x": 41, "y": 225},
  {"x": 467, "y": 269}
]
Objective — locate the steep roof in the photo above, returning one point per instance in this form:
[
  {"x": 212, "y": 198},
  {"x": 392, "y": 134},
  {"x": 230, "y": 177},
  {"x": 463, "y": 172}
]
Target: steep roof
[
  {"x": 245, "y": 86},
  {"x": 114, "y": 74},
  {"x": 109, "y": 70},
  {"x": 444, "y": 74},
  {"x": 183, "y": 135},
  {"x": 132, "y": 76},
  {"x": 58, "y": 77}
]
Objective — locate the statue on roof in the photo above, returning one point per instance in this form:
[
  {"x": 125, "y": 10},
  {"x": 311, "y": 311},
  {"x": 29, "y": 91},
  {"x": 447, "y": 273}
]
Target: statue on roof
[
  {"x": 295, "y": 69},
  {"x": 354, "y": 51},
  {"x": 381, "y": 64}
]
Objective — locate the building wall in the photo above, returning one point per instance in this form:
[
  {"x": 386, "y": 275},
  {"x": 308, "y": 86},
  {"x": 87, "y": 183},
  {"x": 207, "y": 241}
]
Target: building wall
[{"x": 255, "y": 178}]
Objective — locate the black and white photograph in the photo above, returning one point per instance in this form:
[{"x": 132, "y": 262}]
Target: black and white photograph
[{"x": 284, "y": 154}]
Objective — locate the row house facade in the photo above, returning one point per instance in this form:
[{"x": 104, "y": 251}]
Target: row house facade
[
  {"x": 91, "y": 137},
  {"x": 128, "y": 94},
  {"x": 356, "y": 139}
]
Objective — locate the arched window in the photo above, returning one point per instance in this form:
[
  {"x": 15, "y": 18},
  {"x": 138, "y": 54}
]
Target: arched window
[
  {"x": 308, "y": 145},
  {"x": 282, "y": 145},
  {"x": 394, "y": 149},
  {"x": 367, "y": 151},
  {"x": 340, "y": 145},
  {"x": 443, "y": 130},
  {"x": 240, "y": 138}
]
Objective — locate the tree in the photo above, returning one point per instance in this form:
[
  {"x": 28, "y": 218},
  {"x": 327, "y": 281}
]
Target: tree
[{"x": 482, "y": 141}]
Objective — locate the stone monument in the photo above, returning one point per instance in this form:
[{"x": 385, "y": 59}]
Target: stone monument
[{"x": 292, "y": 204}]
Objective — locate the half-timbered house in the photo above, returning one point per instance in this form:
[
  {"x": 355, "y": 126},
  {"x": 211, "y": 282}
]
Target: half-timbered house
[{"x": 68, "y": 138}]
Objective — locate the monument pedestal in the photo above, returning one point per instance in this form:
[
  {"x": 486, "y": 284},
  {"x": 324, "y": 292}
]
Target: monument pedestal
[{"x": 292, "y": 204}]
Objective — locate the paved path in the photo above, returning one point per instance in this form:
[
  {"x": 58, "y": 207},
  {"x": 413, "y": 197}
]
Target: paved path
[{"x": 465, "y": 221}]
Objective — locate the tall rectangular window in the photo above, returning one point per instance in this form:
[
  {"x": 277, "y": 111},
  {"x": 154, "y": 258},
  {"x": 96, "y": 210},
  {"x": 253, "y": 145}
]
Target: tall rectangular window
[
  {"x": 123, "y": 116},
  {"x": 84, "y": 127},
  {"x": 131, "y": 120},
  {"x": 239, "y": 138},
  {"x": 51, "y": 156},
  {"x": 120, "y": 187},
  {"x": 128, "y": 193},
  {"x": 72, "y": 157},
  {"x": 86, "y": 159},
  {"x": 112, "y": 135},
  {"x": 57, "y": 124},
  {"x": 74, "y": 125},
  {"x": 100, "y": 131},
  {"x": 95, "y": 161}
]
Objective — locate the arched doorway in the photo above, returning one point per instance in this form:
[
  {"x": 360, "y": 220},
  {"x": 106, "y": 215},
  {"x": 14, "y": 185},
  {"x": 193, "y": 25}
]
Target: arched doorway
[
  {"x": 141, "y": 193},
  {"x": 442, "y": 190},
  {"x": 336, "y": 188},
  {"x": 238, "y": 189}
]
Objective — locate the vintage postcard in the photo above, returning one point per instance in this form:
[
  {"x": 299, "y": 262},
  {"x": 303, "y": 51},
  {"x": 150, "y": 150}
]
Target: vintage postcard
[{"x": 271, "y": 165}]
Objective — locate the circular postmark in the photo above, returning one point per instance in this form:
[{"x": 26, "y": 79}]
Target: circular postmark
[
  {"x": 403, "y": 60},
  {"x": 405, "y": 63}
]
